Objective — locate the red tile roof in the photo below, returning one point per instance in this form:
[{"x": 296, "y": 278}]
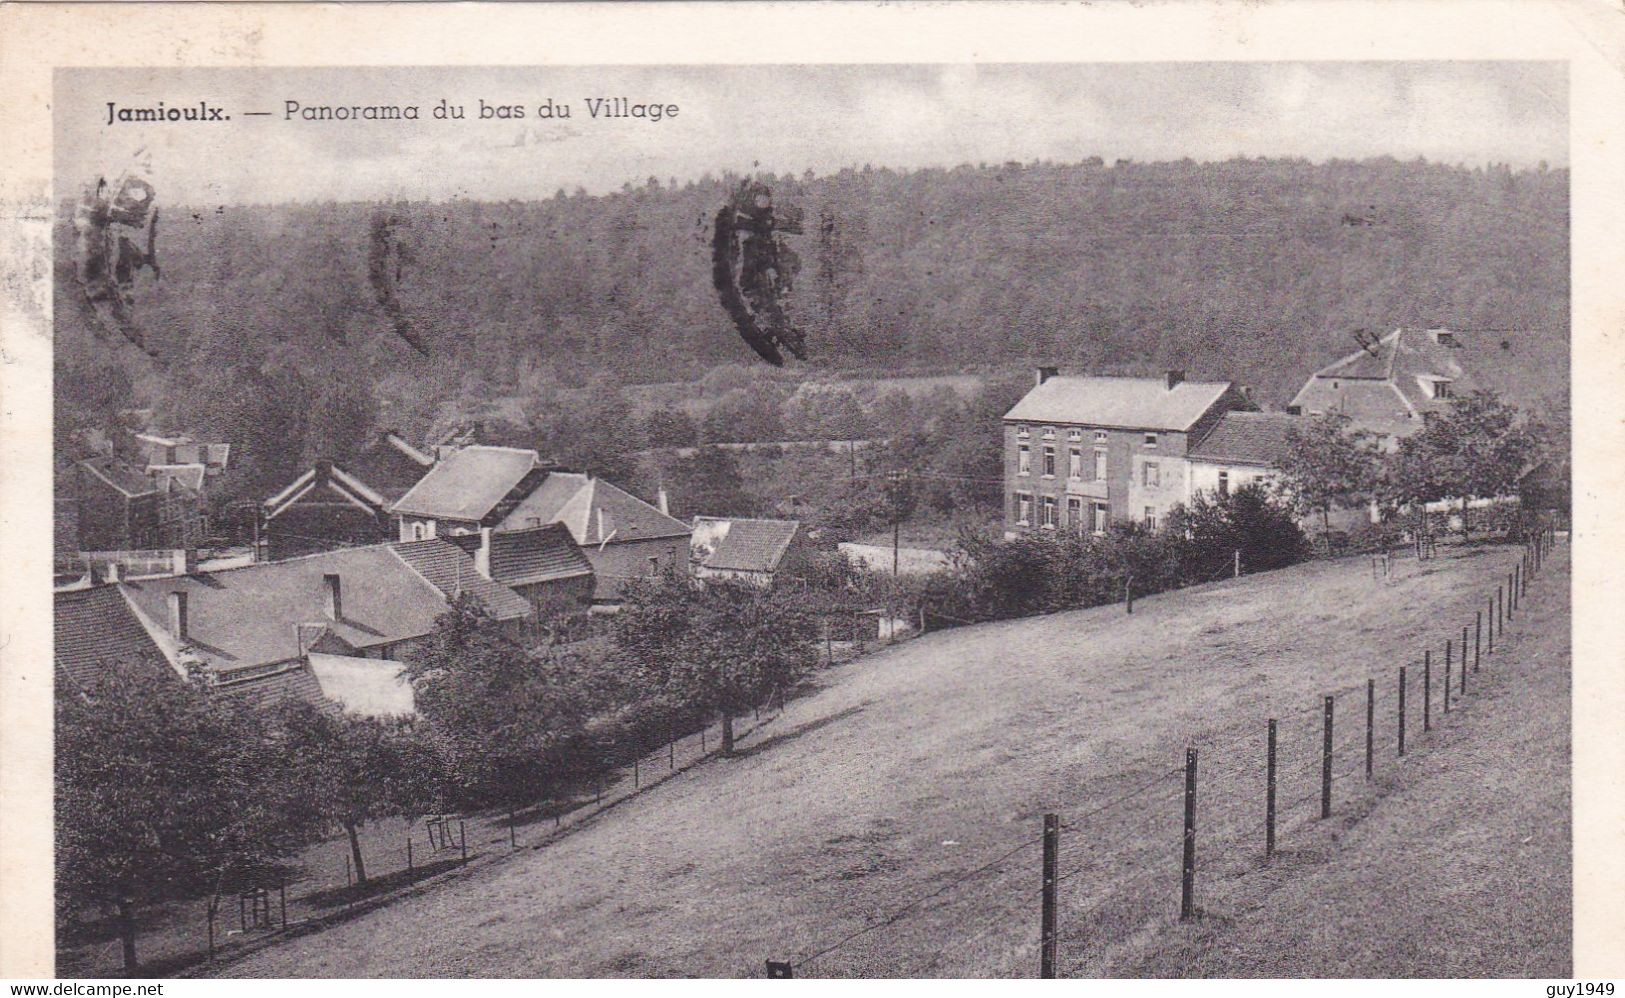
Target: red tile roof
[
  {"x": 96, "y": 629},
  {"x": 748, "y": 545},
  {"x": 1256, "y": 438}
]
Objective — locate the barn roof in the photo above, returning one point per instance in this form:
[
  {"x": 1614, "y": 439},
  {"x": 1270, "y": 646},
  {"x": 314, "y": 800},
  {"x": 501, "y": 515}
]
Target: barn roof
[
  {"x": 1127, "y": 403},
  {"x": 536, "y": 554},
  {"x": 451, "y": 571},
  {"x": 467, "y": 484},
  {"x": 745, "y": 545},
  {"x": 96, "y": 629}
]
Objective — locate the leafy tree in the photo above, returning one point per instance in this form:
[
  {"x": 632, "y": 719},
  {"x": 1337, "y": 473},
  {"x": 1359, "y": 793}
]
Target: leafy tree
[
  {"x": 708, "y": 484},
  {"x": 1248, "y": 521},
  {"x": 722, "y": 646},
  {"x": 164, "y": 793},
  {"x": 745, "y": 416},
  {"x": 670, "y": 426},
  {"x": 1475, "y": 449},
  {"x": 505, "y": 723},
  {"x": 1327, "y": 465},
  {"x": 352, "y": 770}
]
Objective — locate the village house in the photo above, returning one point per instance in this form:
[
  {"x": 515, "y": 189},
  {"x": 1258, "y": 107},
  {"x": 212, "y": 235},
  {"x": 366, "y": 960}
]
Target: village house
[
  {"x": 115, "y": 507},
  {"x": 750, "y": 550},
  {"x": 329, "y": 506},
  {"x": 1389, "y": 387},
  {"x": 542, "y": 564},
  {"x": 468, "y": 488},
  {"x": 330, "y": 627},
  {"x": 623, "y": 537},
  {"x": 1241, "y": 448},
  {"x": 1082, "y": 453}
]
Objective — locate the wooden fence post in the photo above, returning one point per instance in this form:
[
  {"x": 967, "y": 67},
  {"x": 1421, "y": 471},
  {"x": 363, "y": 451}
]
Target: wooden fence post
[
  {"x": 1128, "y": 593},
  {"x": 1509, "y": 602},
  {"x": 1402, "y": 711},
  {"x": 462, "y": 838},
  {"x": 1478, "y": 636},
  {"x": 1048, "y": 934},
  {"x": 1464, "y": 661},
  {"x": 1326, "y": 763},
  {"x": 409, "y": 850},
  {"x": 1187, "y": 881},
  {"x": 1447, "y": 686},
  {"x": 1427, "y": 690},
  {"x": 1269, "y": 794},
  {"x": 1370, "y": 726}
]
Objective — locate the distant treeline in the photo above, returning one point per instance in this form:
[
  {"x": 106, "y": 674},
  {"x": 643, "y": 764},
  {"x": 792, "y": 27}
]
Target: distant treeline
[{"x": 1256, "y": 270}]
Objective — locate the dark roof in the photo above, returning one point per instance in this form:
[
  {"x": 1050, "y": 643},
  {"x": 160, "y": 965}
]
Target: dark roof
[
  {"x": 96, "y": 629},
  {"x": 593, "y": 511},
  {"x": 1128, "y": 403},
  {"x": 526, "y": 557},
  {"x": 750, "y": 545},
  {"x": 121, "y": 476},
  {"x": 241, "y": 617},
  {"x": 390, "y": 466},
  {"x": 1246, "y": 438},
  {"x": 451, "y": 571},
  {"x": 323, "y": 483},
  {"x": 467, "y": 484},
  {"x": 270, "y": 690}
]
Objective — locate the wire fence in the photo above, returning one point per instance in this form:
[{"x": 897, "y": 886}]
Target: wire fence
[{"x": 1116, "y": 865}]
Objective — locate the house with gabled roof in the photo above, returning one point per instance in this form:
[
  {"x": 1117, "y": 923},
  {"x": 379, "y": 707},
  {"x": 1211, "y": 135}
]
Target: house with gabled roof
[
  {"x": 119, "y": 508},
  {"x": 468, "y": 488},
  {"x": 337, "y": 625},
  {"x": 542, "y": 564},
  {"x": 1082, "y": 453},
  {"x": 751, "y": 550},
  {"x": 330, "y": 506},
  {"x": 1390, "y": 386},
  {"x": 623, "y": 537},
  {"x": 1241, "y": 448}
]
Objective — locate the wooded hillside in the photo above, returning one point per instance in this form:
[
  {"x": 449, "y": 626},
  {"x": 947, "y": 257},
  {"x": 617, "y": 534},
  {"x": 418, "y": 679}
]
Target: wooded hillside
[{"x": 1256, "y": 270}]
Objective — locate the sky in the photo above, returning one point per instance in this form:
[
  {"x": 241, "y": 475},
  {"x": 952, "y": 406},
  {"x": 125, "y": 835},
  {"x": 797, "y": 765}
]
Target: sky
[{"x": 784, "y": 119}]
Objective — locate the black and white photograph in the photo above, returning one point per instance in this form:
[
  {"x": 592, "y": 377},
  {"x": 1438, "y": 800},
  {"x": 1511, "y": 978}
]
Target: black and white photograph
[{"x": 888, "y": 519}]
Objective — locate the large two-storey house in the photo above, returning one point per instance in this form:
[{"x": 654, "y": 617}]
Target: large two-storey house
[{"x": 1081, "y": 453}]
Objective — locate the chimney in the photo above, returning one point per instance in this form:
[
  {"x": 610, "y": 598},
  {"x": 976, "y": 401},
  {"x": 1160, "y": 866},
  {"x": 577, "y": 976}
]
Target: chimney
[
  {"x": 177, "y": 615},
  {"x": 335, "y": 596},
  {"x": 1174, "y": 378},
  {"x": 111, "y": 570},
  {"x": 324, "y": 471},
  {"x": 661, "y": 503},
  {"x": 1043, "y": 374},
  {"x": 482, "y": 554}
]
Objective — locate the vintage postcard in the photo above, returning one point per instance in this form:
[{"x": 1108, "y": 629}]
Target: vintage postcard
[{"x": 698, "y": 490}]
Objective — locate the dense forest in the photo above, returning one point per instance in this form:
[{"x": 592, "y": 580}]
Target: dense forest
[{"x": 299, "y": 328}]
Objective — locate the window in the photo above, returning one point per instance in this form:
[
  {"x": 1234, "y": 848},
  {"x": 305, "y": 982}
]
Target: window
[
  {"x": 1224, "y": 483},
  {"x": 1151, "y": 475},
  {"x": 654, "y": 566},
  {"x": 417, "y": 531},
  {"x": 1074, "y": 462},
  {"x": 1074, "y": 512},
  {"x": 1049, "y": 462},
  {"x": 1074, "y": 434},
  {"x": 1100, "y": 513},
  {"x": 1100, "y": 436},
  {"x": 1024, "y": 508},
  {"x": 1442, "y": 390},
  {"x": 1024, "y": 460},
  {"x": 1049, "y": 512},
  {"x": 1151, "y": 518},
  {"x": 1049, "y": 433},
  {"x": 1024, "y": 431},
  {"x": 1100, "y": 464},
  {"x": 1151, "y": 440}
]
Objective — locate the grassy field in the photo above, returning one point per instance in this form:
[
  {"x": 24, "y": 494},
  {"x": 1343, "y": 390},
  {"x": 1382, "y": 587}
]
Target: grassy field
[{"x": 922, "y": 772}]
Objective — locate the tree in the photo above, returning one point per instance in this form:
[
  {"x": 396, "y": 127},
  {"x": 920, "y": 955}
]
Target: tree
[
  {"x": 352, "y": 770},
  {"x": 1327, "y": 465},
  {"x": 165, "y": 793},
  {"x": 1475, "y": 449},
  {"x": 708, "y": 484},
  {"x": 670, "y": 426},
  {"x": 722, "y": 646},
  {"x": 505, "y": 723},
  {"x": 745, "y": 416}
]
